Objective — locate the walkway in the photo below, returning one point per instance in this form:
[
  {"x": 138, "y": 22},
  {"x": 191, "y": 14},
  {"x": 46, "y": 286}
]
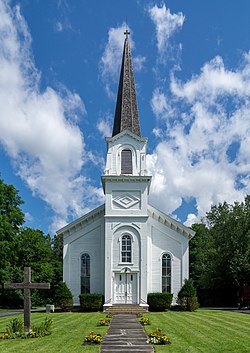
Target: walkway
[{"x": 125, "y": 334}]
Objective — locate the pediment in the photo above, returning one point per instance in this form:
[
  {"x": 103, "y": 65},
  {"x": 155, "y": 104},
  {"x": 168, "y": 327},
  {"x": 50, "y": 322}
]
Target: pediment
[{"x": 128, "y": 134}]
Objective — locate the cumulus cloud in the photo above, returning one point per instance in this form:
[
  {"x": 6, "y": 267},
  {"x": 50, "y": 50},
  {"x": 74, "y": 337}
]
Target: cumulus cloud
[
  {"x": 166, "y": 25},
  {"x": 194, "y": 158},
  {"x": 38, "y": 129}
]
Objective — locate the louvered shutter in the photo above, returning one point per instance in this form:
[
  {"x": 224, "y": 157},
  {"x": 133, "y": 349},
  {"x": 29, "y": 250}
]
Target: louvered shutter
[{"x": 126, "y": 165}]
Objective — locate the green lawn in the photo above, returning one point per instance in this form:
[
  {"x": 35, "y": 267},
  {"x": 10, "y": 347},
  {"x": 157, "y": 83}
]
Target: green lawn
[
  {"x": 203, "y": 331},
  {"x": 68, "y": 329}
]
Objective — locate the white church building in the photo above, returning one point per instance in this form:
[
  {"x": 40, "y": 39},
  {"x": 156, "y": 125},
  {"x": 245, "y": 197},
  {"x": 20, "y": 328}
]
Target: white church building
[{"x": 125, "y": 248}]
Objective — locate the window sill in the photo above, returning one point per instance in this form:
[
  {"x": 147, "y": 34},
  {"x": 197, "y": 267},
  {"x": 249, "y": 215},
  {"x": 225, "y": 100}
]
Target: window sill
[{"x": 126, "y": 263}]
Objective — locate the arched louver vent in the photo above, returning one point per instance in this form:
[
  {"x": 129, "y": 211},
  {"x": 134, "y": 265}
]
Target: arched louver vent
[{"x": 126, "y": 162}]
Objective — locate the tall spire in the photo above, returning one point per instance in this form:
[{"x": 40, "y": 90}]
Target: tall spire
[{"x": 126, "y": 113}]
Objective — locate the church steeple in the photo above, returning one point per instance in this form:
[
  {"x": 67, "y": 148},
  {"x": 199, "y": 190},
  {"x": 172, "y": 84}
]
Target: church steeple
[{"x": 126, "y": 113}]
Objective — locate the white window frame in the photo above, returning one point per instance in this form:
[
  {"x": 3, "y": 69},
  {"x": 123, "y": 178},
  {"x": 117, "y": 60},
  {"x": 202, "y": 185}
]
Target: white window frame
[{"x": 171, "y": 264}]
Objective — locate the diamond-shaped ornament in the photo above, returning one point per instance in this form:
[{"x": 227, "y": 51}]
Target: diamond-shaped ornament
[{"x": 126, "y": 201}]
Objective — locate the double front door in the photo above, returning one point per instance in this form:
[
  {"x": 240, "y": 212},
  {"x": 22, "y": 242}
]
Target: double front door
[{"x": 125, "y": 288}]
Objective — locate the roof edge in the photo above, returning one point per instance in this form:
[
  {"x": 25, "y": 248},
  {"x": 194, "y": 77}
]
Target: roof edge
[
  {"x": 173, "y": 223},
  {"x": 82, "y": 219}
]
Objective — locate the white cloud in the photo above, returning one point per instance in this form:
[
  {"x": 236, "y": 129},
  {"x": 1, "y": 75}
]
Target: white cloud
[
  {"x": 166, "y": 25},
  {"x": 138, "y": 62},
  {"x": 58, "y": 26},
  {"x": 38, "y": 128},
  {"x": 191, "y": 219},
  {"x": 212, "y": 111},
  {"x": 213, "y": 82},
  {"x": 159, "y": 103},
  {"x": 104, "y": 126}
]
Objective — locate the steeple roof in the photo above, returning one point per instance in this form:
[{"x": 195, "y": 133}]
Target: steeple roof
[{"x": 126, "y": 113}]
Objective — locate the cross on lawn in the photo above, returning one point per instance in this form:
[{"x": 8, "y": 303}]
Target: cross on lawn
[{"x": 27, "y": 286}]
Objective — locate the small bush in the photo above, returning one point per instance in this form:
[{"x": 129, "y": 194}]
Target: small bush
[
  {"x": 15, "y": 326},
  {"x": 44, "y": 329},
  {"x": 63, "y": 296},
  {"x": 159, "y": 301},
  {"x": 187, "y": 298},
  {"x": 91, "y": 302}
]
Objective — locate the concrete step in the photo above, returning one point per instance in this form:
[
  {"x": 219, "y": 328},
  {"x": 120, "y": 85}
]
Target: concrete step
[
  {"x": 126, "y": 308},
  {"x": 135, "y": 349}
]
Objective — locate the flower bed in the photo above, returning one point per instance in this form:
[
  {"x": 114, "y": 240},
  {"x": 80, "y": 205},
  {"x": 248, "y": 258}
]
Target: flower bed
[
  {"x": 144, "y": 321},
  {"x": 92, "y": 338},
  {"x": 157, "y": 337},
  {"x": 104, "y": 322},
  {"x": 15, "y": 329}
]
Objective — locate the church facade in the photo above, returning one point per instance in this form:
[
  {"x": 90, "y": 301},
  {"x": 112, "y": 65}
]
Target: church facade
[{"x": 125, "y": 248}]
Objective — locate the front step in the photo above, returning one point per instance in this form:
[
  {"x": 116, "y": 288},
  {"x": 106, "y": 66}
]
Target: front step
[{"x": 126, "y": 309}]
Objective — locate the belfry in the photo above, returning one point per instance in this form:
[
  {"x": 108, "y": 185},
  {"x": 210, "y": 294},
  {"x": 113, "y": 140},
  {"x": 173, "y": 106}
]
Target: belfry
[{"x": 125, "y": 248}]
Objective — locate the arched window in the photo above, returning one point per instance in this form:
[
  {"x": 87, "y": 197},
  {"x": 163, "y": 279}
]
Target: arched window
[
  {"x": 126, "y": 162},
  {"x": 166, "y": 273},
  {"x": 126, "y": 248},
  {"x": 85, "y": 273}
]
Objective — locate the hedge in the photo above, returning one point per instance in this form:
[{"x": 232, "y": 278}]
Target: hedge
[
  {"x": 159, "y": 301},
  {"x": 91, "y": 302}
]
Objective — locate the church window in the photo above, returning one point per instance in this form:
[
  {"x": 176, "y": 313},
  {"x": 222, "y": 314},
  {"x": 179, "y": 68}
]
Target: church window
[
  {"x": 126, "y": 162},
  {"x": 126, "y": 248},
  {"x": 85, "y": 273},
  {"x": 166, "y": 273}
]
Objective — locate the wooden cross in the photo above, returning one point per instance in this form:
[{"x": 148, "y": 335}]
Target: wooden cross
[{"x": 27, "y": 286}]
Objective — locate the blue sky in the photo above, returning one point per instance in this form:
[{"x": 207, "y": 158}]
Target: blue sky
[{"x": 60, "y": 63}]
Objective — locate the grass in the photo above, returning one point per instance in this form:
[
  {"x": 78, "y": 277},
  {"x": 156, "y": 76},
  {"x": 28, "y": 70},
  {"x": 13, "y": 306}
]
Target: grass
[
  {"x": 205, "y": 331},
  {"x": 68, "y": 331}
]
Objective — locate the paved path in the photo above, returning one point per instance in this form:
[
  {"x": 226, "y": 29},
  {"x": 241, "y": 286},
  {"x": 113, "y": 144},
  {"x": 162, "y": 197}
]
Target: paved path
[
  {"x": 125, "y": 334},
  {"x": 19, "y": 312}
]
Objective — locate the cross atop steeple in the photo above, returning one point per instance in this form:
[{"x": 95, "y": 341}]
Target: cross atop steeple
[
  {"x": 127, "y": 33},
  {"x": 126, "y": 113}
]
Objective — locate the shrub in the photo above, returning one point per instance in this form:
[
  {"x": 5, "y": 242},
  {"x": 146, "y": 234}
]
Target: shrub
[
  {"x": 159, "y": 301},
  {"x": 91, "y": 302},
  {"x": 15, "y": 327},
  {"x": 44, "y": 329},
  {"x": 63, "y": 296},
  {"x": 187, "y": 298}
]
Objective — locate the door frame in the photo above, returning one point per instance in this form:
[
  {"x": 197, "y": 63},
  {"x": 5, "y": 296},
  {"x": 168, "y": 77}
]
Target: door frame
[{"x": 127, "y": 271}]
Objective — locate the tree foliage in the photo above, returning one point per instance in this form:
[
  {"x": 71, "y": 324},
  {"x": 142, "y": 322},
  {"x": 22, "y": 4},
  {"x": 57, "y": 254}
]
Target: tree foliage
[
  {"x": 187, "y": 298},
  {"x": 20, "y": 247},
  {"x": 220, "y": 253}
]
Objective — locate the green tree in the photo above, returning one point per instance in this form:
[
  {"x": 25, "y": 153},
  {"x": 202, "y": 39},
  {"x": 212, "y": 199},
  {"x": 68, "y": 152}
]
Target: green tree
[
  {"x": 11, "y": 219},
  {"x": 220, "y": 253},
  {"x": 187, "y": 298},
  {"x": 63, "y": 296},
  {"x": 21, "y": 246}
]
